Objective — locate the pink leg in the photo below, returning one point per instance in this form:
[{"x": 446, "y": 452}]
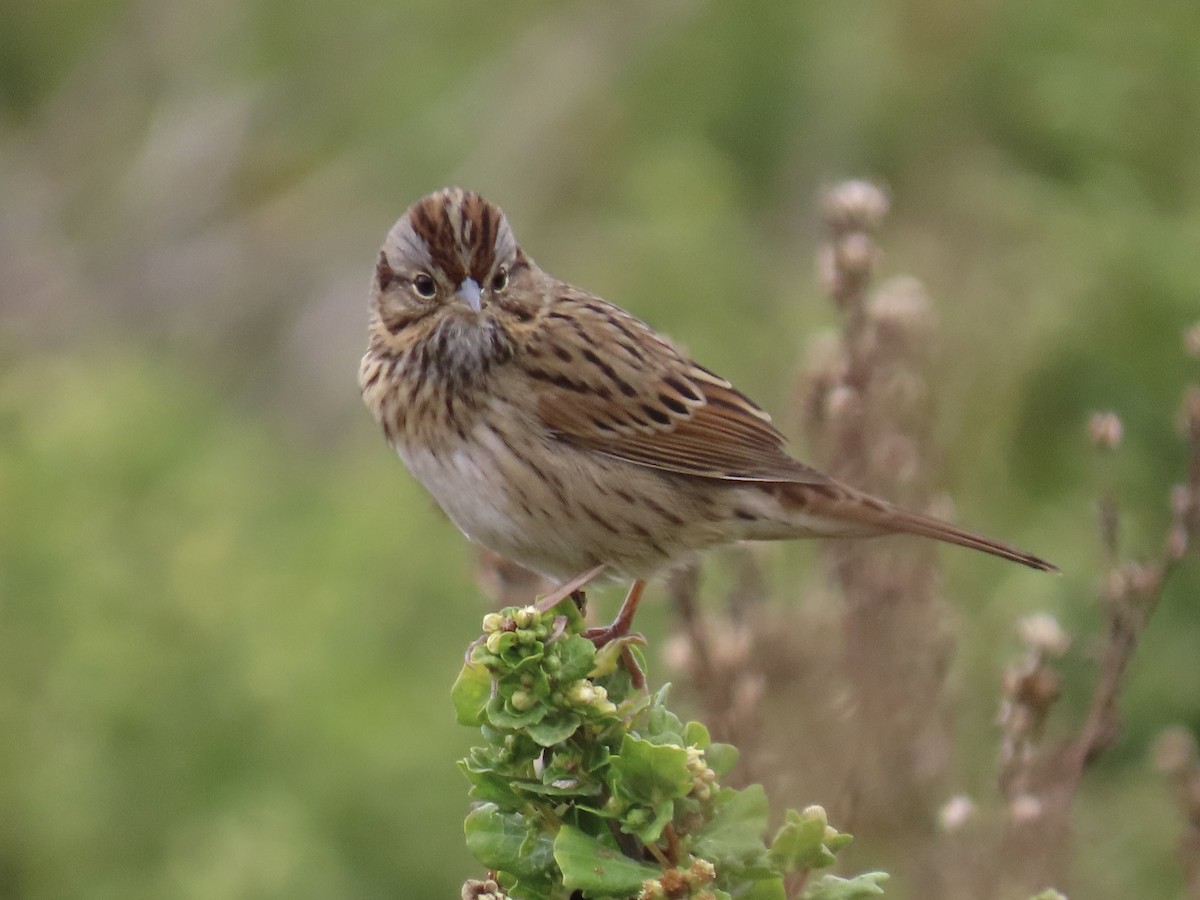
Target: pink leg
[
  {"x": 624, "y": 620},
  {"x": 619, "y": 629},
  {"x": 553, "y": 598}
]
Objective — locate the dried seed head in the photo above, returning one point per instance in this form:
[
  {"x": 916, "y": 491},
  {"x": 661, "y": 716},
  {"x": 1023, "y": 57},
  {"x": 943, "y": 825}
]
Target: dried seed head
[
  {"x": 701, "y": 871},
  {"x": 1116, "y": 587},
  {"x": 956, "y": 812},
  {"x": 855, "y": 254},
  {"x": 1025, "y": 808},
  {"x": 748, "y": 693},
  {"x": 1191, "y": 341},
  {"x": 476, "y": 889},
  {"x": 829, "y": 275},
  {"x": 1143, "y": 580},
  {"x": 678, "y": 653},
  {"x": 842, "y": 402},
  {"x": 1105, "y": 430},
  {"x": 674, "y": 883},
  {"x": 826, "y": 357},
  {"x": 899, "y": 455},
  {"x": 1181, "y": 502},
  {"x": 1189, "y": 413},
  {"x": 853, "y": 205},
  {"x": 1041, "y": 632},
  {"x": 1177, "y": 543},
  {"x": 1038, "y": 690},
  {"x": 900, "y": 309},
  {"x": 1174, "y": 751},
  {"x": 731, "y": 647}
]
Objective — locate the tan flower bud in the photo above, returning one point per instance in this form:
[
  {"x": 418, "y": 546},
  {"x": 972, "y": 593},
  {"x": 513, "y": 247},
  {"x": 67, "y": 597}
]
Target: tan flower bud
[
  {"x": 1105, "y": 430},
  {"x": 1191, "y": 341},
  {"x": 1041, "y": 632},
  {"x": 1174, "y": 751},
  {"x": 701, "y": 871},
  {"x": 1025, "y": 808},
  {"x": 854, "y": 204},
  {"x": 956, "y": 812}
]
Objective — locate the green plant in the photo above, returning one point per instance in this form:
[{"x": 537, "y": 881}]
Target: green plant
[{"x": 590, "y": 787}]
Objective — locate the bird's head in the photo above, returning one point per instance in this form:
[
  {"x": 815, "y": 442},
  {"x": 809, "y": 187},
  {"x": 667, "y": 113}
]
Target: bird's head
[{"x": 450, "y": 271}]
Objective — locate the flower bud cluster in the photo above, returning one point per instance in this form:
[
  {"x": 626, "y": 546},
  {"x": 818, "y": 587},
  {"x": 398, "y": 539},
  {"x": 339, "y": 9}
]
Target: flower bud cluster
[
  {"x": 853, "y": 212},
  {"x": 817, "y": 813},
  {"x": 526, "y": 626},
  {"x": 1030, "y": 690},
  {"x": 1105, "y": 430},
  {"x": 542, "y": 685},
  {"x": 956, "y": 813},
  {"x": 584, "y": 693},
  {"x": 704, "y": 779},
  {"x": 477, "y": 889},
  {"x": 678, "y": 884},
  {"x": 1191, "y": 341}
]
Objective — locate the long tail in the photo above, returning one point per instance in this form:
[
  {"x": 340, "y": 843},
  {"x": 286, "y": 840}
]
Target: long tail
[
  {"x": 927, "y": 526},
  {"x": 862, "y": 514}
]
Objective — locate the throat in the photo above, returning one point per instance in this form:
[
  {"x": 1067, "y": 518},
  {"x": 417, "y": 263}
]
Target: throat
[
  {"x": 428, "y": 385},
  {"x": 464, "y": 352}
]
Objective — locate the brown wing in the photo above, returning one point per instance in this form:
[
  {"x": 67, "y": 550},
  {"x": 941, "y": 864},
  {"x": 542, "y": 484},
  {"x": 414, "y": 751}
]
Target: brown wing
[{"x": 606, "y": 381}]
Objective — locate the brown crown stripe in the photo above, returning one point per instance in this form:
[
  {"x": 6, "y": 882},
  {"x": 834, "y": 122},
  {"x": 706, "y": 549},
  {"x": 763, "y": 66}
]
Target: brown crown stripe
[{"x": 475, "y": 233}]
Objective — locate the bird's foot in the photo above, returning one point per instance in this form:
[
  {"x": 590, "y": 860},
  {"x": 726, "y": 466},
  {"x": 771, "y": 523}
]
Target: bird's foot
[
  {"x": 568, "y": 589},
  {"x": 620, "y": 631}
]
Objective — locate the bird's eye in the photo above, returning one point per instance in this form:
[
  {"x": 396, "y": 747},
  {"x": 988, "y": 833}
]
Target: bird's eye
[
  {"x": 424, "y": 285},
  {"x": 500, "y": 279}
]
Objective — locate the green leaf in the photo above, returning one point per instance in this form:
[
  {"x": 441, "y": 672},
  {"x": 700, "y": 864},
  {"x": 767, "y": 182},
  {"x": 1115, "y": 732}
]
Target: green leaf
[
  {"x": 721, "y": 758},
  {"x": 696, "y": 735},
  {"x": 800, "y": 843},
  {"x": 492, "y": 786},
  {"x": 572, "y": 787},
  {"x": 502, "y": 715},
  {"x": 806, "y": 841},
  {"x": 830, "y": 887},
  {"x": 649, "y": 828},
  {"x": 503, "y": 644},
  {"x": 734, "y": 836},
  {"x": 589, "y": 864},
  {"x": 566, "y": 607},
  {"x": 649, "y": 773},
  {"x": 768, "y": 887},
  {"x": 607, "y": 660},
  {"x": 554, "y": 729},
  {"x": 577, "y": 655},
  {"x": 505, "y": 842},
  {"x": 662, "y": 725},
  {"x": 470, "y": 694}
]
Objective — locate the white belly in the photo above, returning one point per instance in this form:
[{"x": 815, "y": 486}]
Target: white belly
[{"x": 487, "y": 493}]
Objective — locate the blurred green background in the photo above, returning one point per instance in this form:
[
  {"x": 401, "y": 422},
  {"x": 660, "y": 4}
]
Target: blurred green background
[{"x": 229, "y": 619}]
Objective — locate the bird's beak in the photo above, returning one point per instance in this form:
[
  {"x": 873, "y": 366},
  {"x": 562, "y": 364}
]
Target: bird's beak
[{"x": 468, "y": 293}]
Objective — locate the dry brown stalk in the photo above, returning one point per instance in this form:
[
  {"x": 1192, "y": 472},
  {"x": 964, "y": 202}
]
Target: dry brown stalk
[{"x": 1041, "y": 782}]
